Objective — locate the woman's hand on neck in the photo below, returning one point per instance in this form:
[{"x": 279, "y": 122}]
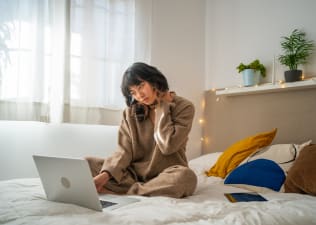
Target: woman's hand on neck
[{"x": 166, "y": 96}]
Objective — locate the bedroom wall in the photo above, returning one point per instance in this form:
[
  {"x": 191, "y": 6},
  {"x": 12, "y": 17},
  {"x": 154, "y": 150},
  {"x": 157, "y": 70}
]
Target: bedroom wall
[
  {"x": 232, "y": 118},
  {"x": 199, "y": 43},
  {"x": 243, "y": 30},
  {"x": 178, "y": 51}
]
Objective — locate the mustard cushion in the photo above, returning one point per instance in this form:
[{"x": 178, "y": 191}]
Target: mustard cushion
[{"x": 237, "y": 152}]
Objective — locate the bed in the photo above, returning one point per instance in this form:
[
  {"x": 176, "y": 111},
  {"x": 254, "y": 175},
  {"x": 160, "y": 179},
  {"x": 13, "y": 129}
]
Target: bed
[{"x": 22, "y": 201}]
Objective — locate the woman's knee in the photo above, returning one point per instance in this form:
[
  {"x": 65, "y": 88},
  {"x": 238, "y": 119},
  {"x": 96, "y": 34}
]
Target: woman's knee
[
  {"x": 189, "y": 179},
  {"x": 185, "y": 179}
]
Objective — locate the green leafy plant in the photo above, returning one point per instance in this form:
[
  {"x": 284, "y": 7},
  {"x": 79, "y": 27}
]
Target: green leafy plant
[
  {"x": 296, "y": 49},
  {"x": 255, "y": 65}
]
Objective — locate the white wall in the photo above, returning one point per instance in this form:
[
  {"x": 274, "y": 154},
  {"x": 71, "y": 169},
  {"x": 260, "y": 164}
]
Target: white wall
[
  {"x": 243, "y": 30},
  {"x": 197, "y": 44},
  {"x": 178, "y": 51}
]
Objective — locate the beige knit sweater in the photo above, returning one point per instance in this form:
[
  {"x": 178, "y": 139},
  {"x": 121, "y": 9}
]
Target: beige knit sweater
[{"x": 146, "y": 149}]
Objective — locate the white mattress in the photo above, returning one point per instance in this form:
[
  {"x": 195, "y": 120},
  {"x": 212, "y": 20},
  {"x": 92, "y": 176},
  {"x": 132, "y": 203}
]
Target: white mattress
[{"x": 22, "y": 201}]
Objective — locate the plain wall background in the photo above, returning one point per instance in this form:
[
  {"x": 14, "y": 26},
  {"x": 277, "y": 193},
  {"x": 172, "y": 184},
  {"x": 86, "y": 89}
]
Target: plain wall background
[
  {"x": 178, "y": 51},
  {"x": 244, "y": 30},
  {"x": 199, "y": 43}
]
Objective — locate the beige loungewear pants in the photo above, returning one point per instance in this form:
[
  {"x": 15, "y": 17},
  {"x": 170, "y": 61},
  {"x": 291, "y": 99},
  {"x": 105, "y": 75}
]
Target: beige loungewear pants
[{"x": 176, "y": 181}]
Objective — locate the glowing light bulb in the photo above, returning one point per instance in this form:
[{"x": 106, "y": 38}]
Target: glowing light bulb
[{"x": 280, "y": 81}]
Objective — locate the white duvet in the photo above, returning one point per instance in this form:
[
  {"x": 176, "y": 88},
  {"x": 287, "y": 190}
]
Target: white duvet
[{"x": 22, "y": 201}]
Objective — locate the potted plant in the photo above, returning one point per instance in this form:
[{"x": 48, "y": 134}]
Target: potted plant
[
  {"x": 296, "y": 51},
  {"x": 252, "y": 72}
]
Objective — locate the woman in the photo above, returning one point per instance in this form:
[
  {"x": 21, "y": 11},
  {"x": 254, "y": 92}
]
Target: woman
[{"x": 150, "y": 159}]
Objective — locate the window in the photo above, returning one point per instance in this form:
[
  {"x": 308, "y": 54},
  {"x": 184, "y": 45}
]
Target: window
[{"x": 57, "y": 53}]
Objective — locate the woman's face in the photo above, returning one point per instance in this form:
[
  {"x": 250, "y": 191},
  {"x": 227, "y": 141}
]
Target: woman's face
[{"x": 143, "y": 93}]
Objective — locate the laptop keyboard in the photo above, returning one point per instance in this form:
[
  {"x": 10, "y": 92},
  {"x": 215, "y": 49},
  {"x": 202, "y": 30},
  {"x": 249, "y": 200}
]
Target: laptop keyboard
[{"x": 106, "y": 204}]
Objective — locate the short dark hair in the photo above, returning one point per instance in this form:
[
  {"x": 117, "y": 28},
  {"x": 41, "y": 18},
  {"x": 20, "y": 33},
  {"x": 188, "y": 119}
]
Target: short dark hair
[{"x": 139, "y": 72}]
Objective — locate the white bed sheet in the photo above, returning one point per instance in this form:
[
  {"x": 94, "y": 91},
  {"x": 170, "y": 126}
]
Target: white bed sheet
[{"x": 22, "y": 201}]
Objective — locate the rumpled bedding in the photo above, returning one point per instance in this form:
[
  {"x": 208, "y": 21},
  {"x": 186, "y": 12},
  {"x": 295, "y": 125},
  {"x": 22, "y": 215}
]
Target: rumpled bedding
[{"x": 23, "y": 201}]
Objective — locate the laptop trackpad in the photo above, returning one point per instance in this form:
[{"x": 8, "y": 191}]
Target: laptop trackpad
[
  {"x": 113, "y": 201},
  {"x": 106, "y": 204}
]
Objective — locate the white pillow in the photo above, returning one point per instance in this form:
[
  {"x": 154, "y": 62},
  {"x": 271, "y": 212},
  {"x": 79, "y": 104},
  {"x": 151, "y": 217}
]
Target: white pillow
[
  {"x": 283, "y": 154},
  {"x": 204, "y": 162}
]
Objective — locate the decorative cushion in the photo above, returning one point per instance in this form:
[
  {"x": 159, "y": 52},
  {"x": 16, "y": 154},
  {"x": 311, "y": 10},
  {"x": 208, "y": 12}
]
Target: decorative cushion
[
  {"x": 282, "y": 154},
  {"x": 237, "y": 152},
  {"x": 260, "y": 172},
  {"x": 301, "y": 177}
]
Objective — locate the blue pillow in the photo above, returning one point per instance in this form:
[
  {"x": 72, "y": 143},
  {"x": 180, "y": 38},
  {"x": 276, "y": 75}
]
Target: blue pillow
[{"x": 260, "y": 172}]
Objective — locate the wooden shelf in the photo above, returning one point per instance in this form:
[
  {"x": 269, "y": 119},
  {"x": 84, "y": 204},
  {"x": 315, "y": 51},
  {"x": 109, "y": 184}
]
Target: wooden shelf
[{"x": 268, "y": 87}]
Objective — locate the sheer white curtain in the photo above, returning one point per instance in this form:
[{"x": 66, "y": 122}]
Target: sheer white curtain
[
  {"x": 24, "y": 79},
  {"x": 66, "y": 58}
]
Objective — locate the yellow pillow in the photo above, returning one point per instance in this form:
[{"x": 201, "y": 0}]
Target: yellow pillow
[{"x": 237, "y": 152}]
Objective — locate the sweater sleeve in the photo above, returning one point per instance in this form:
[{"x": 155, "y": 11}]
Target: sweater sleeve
[
  {"x": 172, "y": 126},
  {"x": 117, "y": 163}
]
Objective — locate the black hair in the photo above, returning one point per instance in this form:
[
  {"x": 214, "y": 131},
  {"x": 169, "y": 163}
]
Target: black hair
[{"x": 139, "y": 72}]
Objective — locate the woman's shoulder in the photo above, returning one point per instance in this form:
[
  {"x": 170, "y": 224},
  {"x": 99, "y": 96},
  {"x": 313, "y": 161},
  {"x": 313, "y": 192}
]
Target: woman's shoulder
[
  {"x": 179, "y": 100},
  {"x": 182, "y": 103}
]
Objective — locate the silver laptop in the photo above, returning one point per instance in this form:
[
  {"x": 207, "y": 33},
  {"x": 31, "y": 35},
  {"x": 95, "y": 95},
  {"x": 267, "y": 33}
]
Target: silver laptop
[{"x": 69, "y": 180}]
